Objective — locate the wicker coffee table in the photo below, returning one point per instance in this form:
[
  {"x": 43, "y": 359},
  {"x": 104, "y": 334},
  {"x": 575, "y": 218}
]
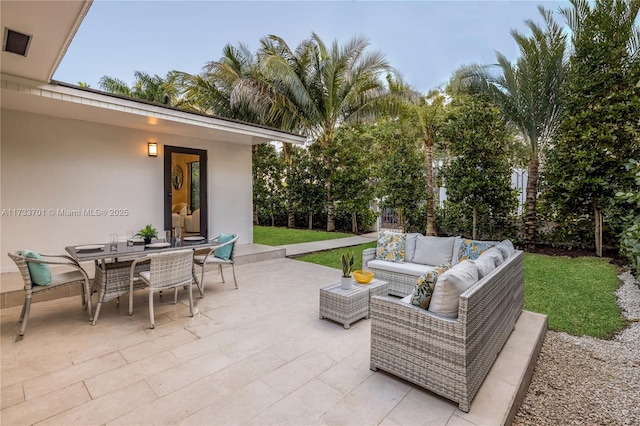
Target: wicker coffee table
[
  {"x": 344, "y": 306},
  {"x": 376, "y": 287},
  {"x": 348, "y": 306}
]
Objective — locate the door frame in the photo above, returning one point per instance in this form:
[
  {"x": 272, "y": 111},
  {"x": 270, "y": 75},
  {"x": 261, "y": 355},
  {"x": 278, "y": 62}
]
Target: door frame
[{"x": 204, "y": 205}]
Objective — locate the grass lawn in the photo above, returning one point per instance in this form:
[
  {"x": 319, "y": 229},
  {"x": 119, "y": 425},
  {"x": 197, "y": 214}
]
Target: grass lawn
[
  {"x": 276, "y": 236},
  {"x": 576, "y": 294},
  {"x": 331, "y": 258}
]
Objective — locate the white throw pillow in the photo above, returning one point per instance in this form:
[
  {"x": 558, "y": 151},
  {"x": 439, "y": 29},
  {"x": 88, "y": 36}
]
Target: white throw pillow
[
  {"x": 433, "y": 250},
  {"x": 494, "y": 253},
  {"x": 450, "y": 285},
  {"x": 410, "y": 246},
  {"x": 456, "y": 247},
  {"x": 485, "y": 264},
  {"x": 507, "y": 248}
]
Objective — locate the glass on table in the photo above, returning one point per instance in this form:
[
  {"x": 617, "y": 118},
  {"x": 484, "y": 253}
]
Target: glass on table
[
  {"x": 178, "y": 233},
  {"x": 130, "y": 236},
  {"x": 113, "y": 242},
  {"x": 167, "y": 235}
]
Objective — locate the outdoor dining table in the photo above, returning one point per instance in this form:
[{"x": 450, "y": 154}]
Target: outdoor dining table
[{"x": 113, "y": 264}]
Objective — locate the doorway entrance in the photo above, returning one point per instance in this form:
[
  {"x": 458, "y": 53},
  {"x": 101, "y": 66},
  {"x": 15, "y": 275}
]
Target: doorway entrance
[{"x": 185, "y": 188}]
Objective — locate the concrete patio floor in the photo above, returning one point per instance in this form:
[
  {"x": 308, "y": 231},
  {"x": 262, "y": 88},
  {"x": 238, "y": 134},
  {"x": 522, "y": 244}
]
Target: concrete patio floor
[{"x": 257, "y": 355}]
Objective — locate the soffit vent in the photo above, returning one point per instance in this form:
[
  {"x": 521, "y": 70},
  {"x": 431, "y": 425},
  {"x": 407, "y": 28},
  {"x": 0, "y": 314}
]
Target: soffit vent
[{"x": 16, "y": 42}]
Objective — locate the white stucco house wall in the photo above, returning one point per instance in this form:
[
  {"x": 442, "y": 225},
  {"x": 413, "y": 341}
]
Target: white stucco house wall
[{"x": 65, "y": 148}]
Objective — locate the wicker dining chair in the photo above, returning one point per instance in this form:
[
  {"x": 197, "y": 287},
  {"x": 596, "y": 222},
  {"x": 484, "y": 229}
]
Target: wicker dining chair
[
  {"x": 212, "y": 258},
  {"x": 57, "y": 280},
  {"x": 167, "y": 270}
]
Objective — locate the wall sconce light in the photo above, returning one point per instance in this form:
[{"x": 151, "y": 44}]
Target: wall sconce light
[{"x": 153, "y": 149}]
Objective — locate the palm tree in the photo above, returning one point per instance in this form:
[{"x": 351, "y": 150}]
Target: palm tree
[
  {"x": 211, "y": 91},
  {"x": 426, "y": 114},
  {"x": 115, "y": 85},
  {"x": 314, "y": 89},
  {"x": 147, "y": 87},
  {"x": 422, "y": 115},
  {"x": 529, "y": 94}
]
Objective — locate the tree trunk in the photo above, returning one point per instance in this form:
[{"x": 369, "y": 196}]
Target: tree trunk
[
  {"x": 331, "y": 220},
  {"x": 597, "y": 216},
  {"x": 310, "y": 220},
  {"x": 354, "y": 223},
  {"x": 291, "y": 219},
  {"x": 256, "y": 221},
  {"x": 474, "y": 224},
  {"x": 288, "y": 161},
  {"x": 402, "y": 220},
  {"x": 431, "y": 210},
  {"x": 531, "y": 220}
]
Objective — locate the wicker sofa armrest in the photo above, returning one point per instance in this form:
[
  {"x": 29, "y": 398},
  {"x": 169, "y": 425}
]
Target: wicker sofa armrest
[
  {"x": 418, "y": 346},
  {"x": 367, "y": 255}
]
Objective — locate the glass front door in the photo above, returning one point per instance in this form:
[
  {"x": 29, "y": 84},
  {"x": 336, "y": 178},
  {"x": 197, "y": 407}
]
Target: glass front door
[{"x": 186, "y": 190}]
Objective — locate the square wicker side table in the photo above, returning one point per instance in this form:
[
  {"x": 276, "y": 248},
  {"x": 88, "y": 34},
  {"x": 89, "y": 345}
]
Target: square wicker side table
[
  {"x": 376, "y": 287},
  {"x": 344, "y": 306}
]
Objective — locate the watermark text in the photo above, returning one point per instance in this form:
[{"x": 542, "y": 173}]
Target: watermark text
[{"x": 59, "y": 212}]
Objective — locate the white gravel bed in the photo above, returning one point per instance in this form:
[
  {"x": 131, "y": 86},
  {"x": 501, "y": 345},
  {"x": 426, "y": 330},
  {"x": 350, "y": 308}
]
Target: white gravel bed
[{"x": 588, "y": 381}]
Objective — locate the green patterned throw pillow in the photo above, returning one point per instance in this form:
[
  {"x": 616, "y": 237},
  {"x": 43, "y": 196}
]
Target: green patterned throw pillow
[
  {"x": 471, "y": 250},
  {"x": 421, "y": 295},
  {"x": 391, "y": 246}
]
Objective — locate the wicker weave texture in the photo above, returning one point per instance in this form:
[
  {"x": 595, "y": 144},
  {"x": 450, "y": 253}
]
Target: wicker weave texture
[
  {"x": 399, "y": 284},
  {"x": 171, "y": 269},
  {"x": 450, "y": 357},
  {"x": 344, "y": 306},
  {"x": 112, "y": 279},
  {"x": 376, "y": 287}
]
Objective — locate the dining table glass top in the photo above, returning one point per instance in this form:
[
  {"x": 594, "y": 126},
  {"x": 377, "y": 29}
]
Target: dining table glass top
[{"x": 124, "y": 250}]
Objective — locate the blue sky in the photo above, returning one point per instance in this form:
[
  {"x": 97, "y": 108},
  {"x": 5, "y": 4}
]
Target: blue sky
[{"x": 425, "y": 40}]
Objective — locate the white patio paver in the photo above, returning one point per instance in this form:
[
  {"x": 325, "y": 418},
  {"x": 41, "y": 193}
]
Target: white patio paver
[{"x": 256, "y": 355}]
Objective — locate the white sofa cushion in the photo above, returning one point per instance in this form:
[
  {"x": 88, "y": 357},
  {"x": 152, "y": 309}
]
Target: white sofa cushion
[
  {"x": 410, "y": 246},
  {"x": 456, "y": 247},
  {"x": 507, "y": 248},
  {"x": 450, "y": 285},
  {"x": 192, "y": 222},
  {"x": 494, "y": 253},
  {"x": 485, "y": 263},
  {"x": 177, "y": 221},
  {"x": 433, "y": 250},
  {"x": 415, "y": 269}
]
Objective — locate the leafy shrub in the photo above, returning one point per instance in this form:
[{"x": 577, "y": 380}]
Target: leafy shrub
[
  {"x": 366, "y": 218},
  {"x": 630, "y": 240}
]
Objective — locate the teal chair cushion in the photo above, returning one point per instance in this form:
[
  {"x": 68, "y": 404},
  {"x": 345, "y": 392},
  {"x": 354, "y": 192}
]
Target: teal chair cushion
[
  {"x": 224, "y": 252},
  {"x": 40, "y": 274}
]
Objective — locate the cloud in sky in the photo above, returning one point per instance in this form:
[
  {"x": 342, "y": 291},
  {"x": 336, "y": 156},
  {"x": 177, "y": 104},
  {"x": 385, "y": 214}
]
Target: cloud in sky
[{"x": 424, "y": 40}]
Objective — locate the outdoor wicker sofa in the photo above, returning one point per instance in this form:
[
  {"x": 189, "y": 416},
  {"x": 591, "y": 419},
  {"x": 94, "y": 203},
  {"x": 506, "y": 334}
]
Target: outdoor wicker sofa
[
  {"x": 402, "y": 276},
  {"x": 449, "y": 356}
]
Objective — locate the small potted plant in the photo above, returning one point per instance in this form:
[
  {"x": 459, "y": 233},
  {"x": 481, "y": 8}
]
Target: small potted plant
[
  {"x": 148, "y": 232},
  {"x": 346, "y": 281}
]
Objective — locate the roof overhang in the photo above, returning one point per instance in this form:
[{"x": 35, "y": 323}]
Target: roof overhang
[
  {"x": 26, "y": 82},
  {"x": 52, "y": 25},
  {"x": 56, "y": 100}
]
